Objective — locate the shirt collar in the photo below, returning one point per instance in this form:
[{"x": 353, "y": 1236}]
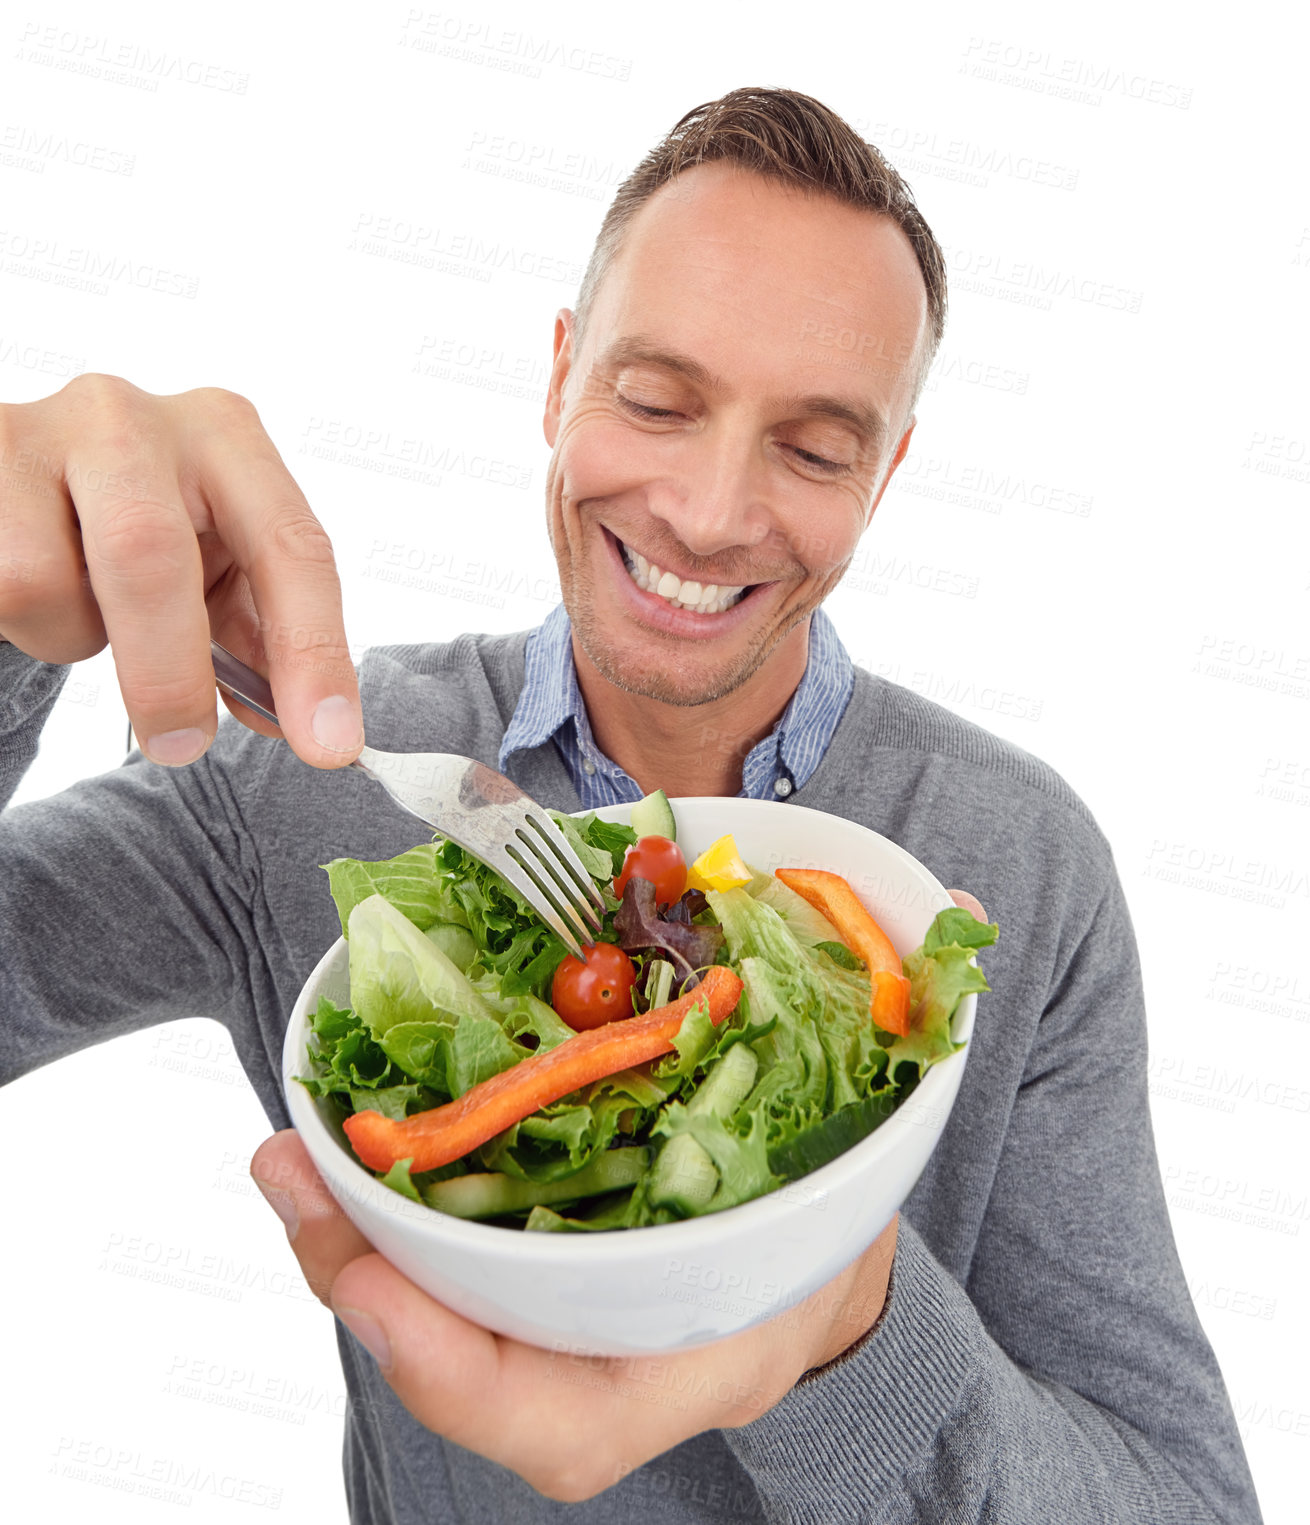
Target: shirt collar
[{"x": 551, "y": 697}]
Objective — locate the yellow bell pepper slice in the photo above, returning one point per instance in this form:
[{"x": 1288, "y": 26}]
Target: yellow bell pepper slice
[{"x": 719, "y": 867}]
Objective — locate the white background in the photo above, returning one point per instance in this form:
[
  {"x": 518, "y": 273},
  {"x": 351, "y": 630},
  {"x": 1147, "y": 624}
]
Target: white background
[{"x": 1097, "y": 549}]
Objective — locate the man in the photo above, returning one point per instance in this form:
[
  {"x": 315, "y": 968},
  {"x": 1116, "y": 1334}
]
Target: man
[{"x": 1019, "y": 1345}]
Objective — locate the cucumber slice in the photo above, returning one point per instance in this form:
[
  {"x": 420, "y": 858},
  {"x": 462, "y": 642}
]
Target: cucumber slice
[
  {"x": 488, "y": 1194},
  {"x": 653, "y": 817},
  {"x": 818, "y": 1145},
  {"x": 683, "y": 1176},
  {"x": 728, "y": 1083}
]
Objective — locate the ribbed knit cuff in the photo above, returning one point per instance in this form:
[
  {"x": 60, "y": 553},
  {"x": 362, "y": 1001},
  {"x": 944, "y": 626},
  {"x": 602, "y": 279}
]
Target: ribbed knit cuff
[{"x": 848, "y": 1432}]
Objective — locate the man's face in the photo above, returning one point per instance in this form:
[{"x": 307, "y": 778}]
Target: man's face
[{"x": 739, "y": 401}]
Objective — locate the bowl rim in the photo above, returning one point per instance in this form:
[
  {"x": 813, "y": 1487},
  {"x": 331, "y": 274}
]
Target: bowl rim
[{"x": 674, "y": 1240}]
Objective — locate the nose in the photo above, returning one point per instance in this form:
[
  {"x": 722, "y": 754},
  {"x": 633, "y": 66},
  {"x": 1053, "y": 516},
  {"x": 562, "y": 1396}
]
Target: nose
[{"x": 715, "y": 498}]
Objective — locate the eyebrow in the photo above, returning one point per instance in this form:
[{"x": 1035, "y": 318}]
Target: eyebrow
[{"x": 638, "y": 350}]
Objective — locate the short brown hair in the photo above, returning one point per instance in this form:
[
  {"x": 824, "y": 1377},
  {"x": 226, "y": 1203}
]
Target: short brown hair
[{"x": 787, "y": 137}]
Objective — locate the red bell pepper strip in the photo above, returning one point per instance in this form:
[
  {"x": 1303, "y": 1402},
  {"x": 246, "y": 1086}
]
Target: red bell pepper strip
[
  {"x": 889, "y": 1000},
  {"x": 447, "y": 1133}
]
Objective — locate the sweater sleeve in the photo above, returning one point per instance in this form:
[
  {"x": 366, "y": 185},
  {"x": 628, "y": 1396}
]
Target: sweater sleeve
[
  {"x": 125, "y": 901},
  {"x": 1069, "y": 1377},
  {"x": 28, "y": 690}
]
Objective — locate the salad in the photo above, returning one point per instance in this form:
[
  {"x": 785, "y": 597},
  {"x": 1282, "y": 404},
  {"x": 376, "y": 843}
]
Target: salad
[{"x": 729, "y": 1032}]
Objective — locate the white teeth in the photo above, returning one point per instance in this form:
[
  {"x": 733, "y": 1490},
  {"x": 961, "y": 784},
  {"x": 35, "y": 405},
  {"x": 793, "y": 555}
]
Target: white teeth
[{"x": 708, "y": 598}]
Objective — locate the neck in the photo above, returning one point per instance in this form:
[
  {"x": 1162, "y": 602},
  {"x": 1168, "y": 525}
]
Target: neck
[{"x": 691, "y": 749}]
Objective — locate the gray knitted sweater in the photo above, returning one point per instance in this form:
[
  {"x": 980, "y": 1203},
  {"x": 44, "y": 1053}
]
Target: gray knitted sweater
[{"x": 1039, "y": 1359}]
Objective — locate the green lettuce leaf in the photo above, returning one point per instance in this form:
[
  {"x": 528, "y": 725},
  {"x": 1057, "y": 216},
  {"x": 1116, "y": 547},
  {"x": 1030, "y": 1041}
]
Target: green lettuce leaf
[
  {"x": 693, "y": 1040},
  {"x": 394, "y": 1101},
  {"x": 397, "y": 1178},
  {"x": 455, "y": 941},
  {"x": 512, "y": 942},
  {"x": 450, "y": 1057},
  {"x": 411, "y": 882},
  {"x": 940, "y": 976},
  {"x": 525, "y": 1018},
  {"x": 805, "y": 922},
  {"x": 738, "y": 1150},
  {"x": 601, "y": 845},
  {"x": 343, "y": 1054},
  {"x": 957, "y": 927},
  {"x": 399, "y": 975}
]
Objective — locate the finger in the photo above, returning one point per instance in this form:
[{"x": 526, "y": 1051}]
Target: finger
[
  {"x": 322, "y": 1237},
  {"x": 145, "y": 570},
  {"x": 235, "y": 625},
  {"x": 46, "y": 605},
  {"x": 968, "y": 902},
  {"x": 286, "y": 556}
]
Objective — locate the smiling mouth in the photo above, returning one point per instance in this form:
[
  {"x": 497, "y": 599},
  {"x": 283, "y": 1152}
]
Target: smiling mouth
[{"x": 701, "y": 598}]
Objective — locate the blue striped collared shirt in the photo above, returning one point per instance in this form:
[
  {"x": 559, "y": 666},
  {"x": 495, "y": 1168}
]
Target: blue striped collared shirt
[{"x": 551, "y": 708}]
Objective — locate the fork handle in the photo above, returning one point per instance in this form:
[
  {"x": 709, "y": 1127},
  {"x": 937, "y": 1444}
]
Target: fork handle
[
  {"x": 246, "y": 685},
  {"x": 243, "y": 683}
]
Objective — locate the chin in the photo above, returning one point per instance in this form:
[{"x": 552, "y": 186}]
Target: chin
[{"x": 683, "y": 678}]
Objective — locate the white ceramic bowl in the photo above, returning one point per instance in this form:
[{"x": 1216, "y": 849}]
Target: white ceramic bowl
[{"x": 667, "y": 1288}]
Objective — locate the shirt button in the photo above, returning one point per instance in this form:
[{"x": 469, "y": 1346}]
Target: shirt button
[
  {"x": 782, "y": 787},
  {"x": 588, "y": 767}
]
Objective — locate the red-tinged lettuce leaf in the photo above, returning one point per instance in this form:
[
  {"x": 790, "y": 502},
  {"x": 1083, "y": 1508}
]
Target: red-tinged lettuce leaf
[{"x": 639, "y": 925}]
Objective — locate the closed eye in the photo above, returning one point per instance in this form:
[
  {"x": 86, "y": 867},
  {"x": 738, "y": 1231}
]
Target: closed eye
[
  {"x": 818, "y": 462},
  {"x": 814, "y": 462},
  {"x": 642, "y": 411}
]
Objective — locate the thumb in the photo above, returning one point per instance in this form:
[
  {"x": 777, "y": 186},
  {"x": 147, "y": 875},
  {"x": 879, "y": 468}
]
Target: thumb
[{"x": 968, "y": 902}]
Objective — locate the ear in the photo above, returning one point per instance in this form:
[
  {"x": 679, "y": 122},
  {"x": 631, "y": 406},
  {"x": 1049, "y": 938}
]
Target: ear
[
  {"x": 896, "y": 460},
  {"x": 559, "y": 374}
]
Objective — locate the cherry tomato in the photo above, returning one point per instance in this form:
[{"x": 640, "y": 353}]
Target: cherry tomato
[
  {"x": 599, "y": 991},
  {"x": 660, "y": 861}
]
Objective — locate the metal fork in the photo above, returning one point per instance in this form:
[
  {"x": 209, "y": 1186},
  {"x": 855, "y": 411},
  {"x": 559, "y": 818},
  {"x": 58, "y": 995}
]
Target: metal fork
[{"x": 482, "y": 810}]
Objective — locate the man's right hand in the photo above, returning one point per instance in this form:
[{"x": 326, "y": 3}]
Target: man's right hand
[{"x": 149, "y": 523}]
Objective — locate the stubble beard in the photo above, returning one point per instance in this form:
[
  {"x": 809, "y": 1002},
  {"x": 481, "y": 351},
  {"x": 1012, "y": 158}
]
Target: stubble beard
[{"x": 652, "y": 681}]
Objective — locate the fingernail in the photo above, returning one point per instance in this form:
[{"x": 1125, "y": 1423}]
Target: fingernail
[
  {"x": 175, "y": 749},
  {"x": 336, "y": 725},
  {"x": 282, "y": 1203},
  {"x": 370, "y": 1334}
]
